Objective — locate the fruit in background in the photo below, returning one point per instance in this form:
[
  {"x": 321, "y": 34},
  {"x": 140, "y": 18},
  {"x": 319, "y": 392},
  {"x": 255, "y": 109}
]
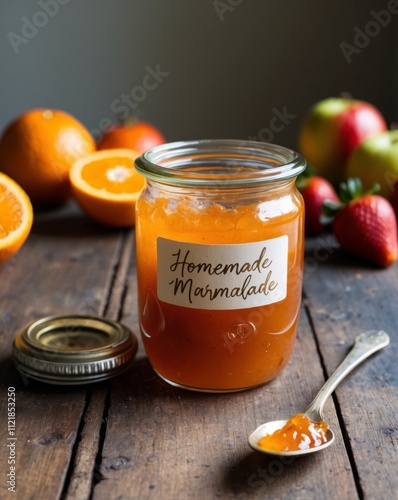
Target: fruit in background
[
  {"x": 376, "y": 161},
  {"x": 16, "y": 217},
  {"x": 136, "y": 135},
  {"x": 107, "y": 185},
  {"x": 315, "y": 191},
  {"x": 332, "y": 129},
  {"x": 365, "y": 225},
  {"x": 37, "y": 150},
  {"x": 394, "y": 198}
]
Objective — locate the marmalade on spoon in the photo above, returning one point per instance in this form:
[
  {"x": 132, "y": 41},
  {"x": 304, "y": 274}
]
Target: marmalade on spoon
[{"x": 299, "y": 433}]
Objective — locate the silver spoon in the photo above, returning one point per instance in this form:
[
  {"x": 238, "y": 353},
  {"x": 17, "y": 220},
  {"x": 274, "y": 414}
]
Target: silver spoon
[{"x": 365, "y": 344}]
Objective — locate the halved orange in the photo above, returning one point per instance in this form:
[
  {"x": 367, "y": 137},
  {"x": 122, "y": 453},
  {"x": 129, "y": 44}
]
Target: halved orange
[
  {"x": 16, "y": 217},
  {"x": 106, "y": 185}
]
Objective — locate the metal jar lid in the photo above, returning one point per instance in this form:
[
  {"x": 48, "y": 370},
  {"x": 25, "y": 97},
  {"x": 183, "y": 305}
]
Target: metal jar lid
[{"x": 73, "y": 350}]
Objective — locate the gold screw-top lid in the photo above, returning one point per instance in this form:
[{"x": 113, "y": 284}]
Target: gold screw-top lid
[{"x": 72, "y": 350}]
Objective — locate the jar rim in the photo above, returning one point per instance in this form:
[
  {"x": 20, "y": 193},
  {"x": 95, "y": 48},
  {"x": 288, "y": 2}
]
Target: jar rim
[{"x": 211, "y": 161}]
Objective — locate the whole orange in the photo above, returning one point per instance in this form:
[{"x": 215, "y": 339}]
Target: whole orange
[
  {"x": 38, "y": 149},
  {"x": 138, "y": 136}
]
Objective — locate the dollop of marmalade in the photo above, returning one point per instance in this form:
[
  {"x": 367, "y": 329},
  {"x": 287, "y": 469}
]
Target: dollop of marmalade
[{"x": 299, "y": 433}]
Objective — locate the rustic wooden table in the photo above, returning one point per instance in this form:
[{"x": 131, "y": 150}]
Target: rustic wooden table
[{"x": 136, "y": 437}]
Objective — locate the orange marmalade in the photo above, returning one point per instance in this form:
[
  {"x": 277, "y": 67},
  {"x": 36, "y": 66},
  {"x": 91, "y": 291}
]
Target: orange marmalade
[
  {"x": 299, "y": 433},
  {"x": 219, "y": 247}
]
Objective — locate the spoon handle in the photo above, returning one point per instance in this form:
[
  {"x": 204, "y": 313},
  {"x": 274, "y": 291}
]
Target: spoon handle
[{"x": 365, "y": 344}]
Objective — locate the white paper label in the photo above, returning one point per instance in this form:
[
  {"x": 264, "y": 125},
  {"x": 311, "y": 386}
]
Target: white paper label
[{"x": 222, "y": 276}]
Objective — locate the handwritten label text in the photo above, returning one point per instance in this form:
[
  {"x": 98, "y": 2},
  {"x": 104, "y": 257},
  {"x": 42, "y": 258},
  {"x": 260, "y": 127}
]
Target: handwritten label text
[{"x": 238, "y": 276}]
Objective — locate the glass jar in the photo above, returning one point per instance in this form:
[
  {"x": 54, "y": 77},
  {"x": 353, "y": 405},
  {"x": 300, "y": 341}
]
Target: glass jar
[{"x": 219, "y": 247}]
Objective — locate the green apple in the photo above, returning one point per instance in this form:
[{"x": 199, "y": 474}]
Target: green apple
[
  {"x": 376, "y": 161},
  {"x": 332, "y": 129}
]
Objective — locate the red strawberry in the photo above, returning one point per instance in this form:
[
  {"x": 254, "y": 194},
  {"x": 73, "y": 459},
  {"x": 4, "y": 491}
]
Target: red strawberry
[
  {"x": 365, "y": 225},
  {"x": 315, "y": 191}
]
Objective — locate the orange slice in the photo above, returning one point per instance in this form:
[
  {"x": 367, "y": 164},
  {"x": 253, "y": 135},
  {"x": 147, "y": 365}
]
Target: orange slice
[
  {"x": 106, "y": 186},
  {"x": 16, "y": 217}
]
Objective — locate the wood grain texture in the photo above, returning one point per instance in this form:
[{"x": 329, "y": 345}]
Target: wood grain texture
[
  {"x": 163, "y": 442},
  {"x": 345, "y": 297},
  {"x": 136, "y": 437},
  {"x": 85, "y": 468},
  {"x": 66, "y": 266}
]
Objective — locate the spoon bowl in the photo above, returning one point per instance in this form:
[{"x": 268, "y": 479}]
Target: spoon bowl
[
  {"x": 271, "y": 427},
  {"x": 365, "y": 344}
]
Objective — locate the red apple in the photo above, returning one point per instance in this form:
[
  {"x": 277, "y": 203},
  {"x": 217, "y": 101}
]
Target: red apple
[{"x": 332, "y": 129}]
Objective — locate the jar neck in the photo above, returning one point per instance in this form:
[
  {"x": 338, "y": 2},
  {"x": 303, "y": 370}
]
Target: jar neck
[
  {"x": 220, "y": 164},
  {"x": 223, "y": 195}
]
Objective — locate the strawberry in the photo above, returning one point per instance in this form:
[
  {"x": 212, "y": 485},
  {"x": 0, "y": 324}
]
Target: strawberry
[
  {"x": 315, "y": 191},
  {"x": 365, "y": 225}
]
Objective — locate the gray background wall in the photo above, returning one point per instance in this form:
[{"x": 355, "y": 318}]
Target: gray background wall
[{"x": 227, "y": 65}]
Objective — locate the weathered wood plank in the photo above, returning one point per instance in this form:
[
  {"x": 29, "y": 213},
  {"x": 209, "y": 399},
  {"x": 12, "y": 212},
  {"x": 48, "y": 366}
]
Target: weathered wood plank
[
  {"x": 346, "y": 296},
  {"x": 84, "y": 467},
  {"x": 66, "y": 266},
  {"x": 86, "y": 471},
  {"x": 162, "y": 442}
]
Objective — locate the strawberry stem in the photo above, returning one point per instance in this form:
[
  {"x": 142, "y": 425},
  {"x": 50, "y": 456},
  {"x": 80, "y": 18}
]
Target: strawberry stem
[
  {"x": 349, "y": 191},
  {"x": 374, "y": 189},
  {"x": 329, "y": 210},
  {"x": 353, "y": 189}
]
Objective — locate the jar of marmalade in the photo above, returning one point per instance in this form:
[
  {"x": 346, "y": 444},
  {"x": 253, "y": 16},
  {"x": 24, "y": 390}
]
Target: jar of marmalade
[{"x": 219, "y": 247}]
